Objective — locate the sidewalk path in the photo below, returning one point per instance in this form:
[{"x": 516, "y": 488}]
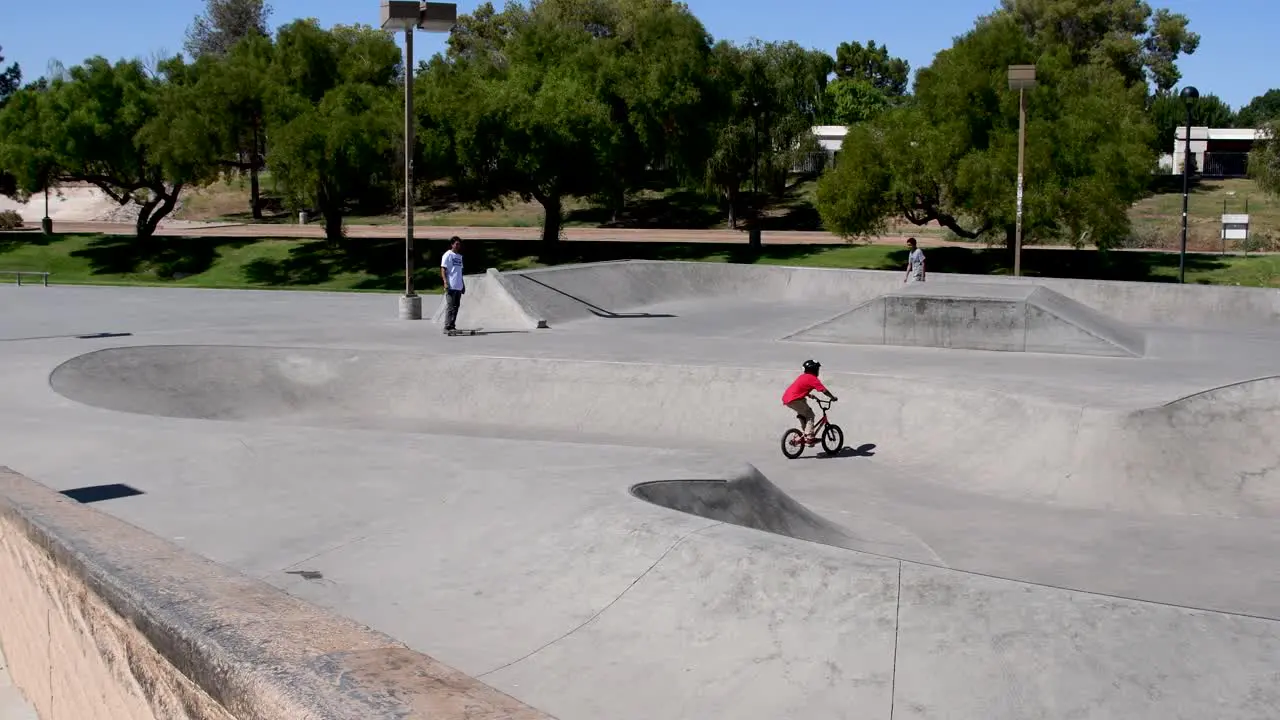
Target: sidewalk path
[{"x": 190, "y": 228}]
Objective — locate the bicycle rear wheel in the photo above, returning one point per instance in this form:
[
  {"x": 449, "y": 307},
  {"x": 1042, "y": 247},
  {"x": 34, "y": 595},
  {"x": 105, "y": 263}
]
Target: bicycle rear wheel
[{"x": 792, "y": 443}]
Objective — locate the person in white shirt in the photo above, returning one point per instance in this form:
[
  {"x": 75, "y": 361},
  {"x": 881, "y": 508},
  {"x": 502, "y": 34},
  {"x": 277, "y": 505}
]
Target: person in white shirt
[
  {"x": 454, "y": 287},
  {"x": 915, "y": 262}
]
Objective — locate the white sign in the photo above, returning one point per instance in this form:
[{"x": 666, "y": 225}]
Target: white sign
[{"x": 1235, "y": 227}]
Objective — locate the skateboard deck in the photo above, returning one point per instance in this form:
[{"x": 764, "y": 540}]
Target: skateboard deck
[{"x": 463, "y": 331}]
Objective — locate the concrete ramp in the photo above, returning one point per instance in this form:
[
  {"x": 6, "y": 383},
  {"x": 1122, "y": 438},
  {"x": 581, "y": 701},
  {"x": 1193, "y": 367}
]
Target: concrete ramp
[{"x": 980, "y": 316}]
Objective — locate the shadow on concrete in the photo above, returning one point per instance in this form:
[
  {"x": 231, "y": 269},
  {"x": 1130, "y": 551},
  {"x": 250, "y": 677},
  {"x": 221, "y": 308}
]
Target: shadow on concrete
[
  {"x": 683, "y": 209},
  {"x": 100, "y": 493},
  {"x": 865, "y": 450},
  {"x": 166, "y": 257},
  {"x": 466, "y": 332},
  {"x": 1065, "y": 263}
]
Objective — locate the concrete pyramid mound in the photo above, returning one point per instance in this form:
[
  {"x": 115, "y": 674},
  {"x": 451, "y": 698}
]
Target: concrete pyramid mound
[{"x": 978, "y": 316}]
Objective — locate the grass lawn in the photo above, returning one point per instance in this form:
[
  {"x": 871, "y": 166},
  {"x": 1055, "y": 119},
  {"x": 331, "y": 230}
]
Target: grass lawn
[
  {"x": 1157, "y": 219},
  {"x": 378, "y": 264}
]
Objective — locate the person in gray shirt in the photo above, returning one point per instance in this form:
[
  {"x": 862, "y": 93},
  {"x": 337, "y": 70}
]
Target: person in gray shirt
[{"x": 915, "y": 262}]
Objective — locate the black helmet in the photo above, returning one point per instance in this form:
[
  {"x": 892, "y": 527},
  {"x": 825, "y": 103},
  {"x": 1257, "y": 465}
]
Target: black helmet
[{"x": 811, "y": 366}]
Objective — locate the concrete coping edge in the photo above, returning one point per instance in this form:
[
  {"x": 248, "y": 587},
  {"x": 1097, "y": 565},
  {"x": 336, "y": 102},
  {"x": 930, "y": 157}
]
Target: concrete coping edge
[{"x": 256, "y": 650}]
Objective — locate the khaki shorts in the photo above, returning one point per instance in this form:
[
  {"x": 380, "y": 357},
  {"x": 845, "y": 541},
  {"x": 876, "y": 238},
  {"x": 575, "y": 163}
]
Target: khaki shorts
[{"x": 801, "y": 406}]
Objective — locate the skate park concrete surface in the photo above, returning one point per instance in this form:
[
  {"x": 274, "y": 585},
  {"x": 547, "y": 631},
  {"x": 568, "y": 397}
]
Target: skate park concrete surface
[{"x": 593, "y": 518}]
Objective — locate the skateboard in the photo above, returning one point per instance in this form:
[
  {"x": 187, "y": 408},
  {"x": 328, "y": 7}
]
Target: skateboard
[{"x": 462, "y": 331}]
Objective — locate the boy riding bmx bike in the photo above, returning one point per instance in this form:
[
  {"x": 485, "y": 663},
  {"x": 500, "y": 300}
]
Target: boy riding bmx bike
[{"x": 795, "y": 397}]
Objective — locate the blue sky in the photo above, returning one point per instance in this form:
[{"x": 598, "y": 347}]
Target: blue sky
[{"x": 1235, "y": 59}]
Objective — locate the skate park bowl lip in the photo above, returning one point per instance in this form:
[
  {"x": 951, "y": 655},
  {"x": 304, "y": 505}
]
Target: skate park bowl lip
[
  {"x": 172, "y": 634},
  {"x": 551, "y": 296},
  {"x": 1208, "y": 453},
  {"x": 980, "y": 316},
  {"x": 749, "y": 499}
]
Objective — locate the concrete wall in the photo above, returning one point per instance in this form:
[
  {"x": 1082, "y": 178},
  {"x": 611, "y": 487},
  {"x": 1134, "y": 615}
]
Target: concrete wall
[
  {"x": 101, "y": 620},
  {"x": 574, "y": 292}
]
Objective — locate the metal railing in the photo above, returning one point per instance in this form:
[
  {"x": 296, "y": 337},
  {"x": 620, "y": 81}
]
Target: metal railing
[
  {"x": 19, "y": 273},
  {"x": 809, "y": 163},
  {"x": 1225, "y": 165}
]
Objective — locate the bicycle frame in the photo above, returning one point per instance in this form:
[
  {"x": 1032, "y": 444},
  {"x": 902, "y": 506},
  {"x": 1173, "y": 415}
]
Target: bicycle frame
[{"x": 821, "y": 422}]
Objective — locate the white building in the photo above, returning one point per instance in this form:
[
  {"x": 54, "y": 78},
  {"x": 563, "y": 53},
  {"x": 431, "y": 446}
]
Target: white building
[
  {"x": 1216, "y": 152},
  {"x": 830, "y": 138}
]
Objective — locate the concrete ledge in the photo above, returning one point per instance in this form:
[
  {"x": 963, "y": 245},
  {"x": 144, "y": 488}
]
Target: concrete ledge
[
  {"x": 574, "y": 292},
  {"x": 101, "y": 619},
  {"x": 980, "y": 316}
]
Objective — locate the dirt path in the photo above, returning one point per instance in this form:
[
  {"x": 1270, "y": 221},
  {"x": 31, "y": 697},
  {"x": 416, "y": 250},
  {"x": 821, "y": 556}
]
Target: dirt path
[
  {"x": 271, "y": 230},
  {"x": 440, "y": 232}
]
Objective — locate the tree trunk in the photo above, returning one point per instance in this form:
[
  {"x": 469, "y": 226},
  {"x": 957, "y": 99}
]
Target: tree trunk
[
  {"x": 551, "y": 220},
  {"x": 255, "y": 198},
  {"x": 255, "y": 202},
  {"x": 732, "y": 195},
  {"x": 155, "y": 210},
  {"x": 332, "y": 224}
]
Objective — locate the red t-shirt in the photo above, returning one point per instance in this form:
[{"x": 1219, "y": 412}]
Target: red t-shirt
[{"x": 802, "y": 386}]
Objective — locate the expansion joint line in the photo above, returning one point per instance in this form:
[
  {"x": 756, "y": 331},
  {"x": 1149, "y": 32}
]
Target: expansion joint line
[
  {"x": 679, "y": 541},
  {"x": 897, "y": 613}
]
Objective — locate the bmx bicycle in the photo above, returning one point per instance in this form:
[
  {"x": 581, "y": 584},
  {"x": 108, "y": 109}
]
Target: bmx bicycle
[{"x": 793, "y": 442}]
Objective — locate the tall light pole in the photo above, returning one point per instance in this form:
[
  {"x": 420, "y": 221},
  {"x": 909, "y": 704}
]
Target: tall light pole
[
  {"x": 1021, "y": 78},
  {"x": 1189, "y": 96},
  {"x": 411, "y": 15}
]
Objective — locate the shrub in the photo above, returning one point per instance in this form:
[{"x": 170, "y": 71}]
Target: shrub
[{"x": 10, "y": 220}]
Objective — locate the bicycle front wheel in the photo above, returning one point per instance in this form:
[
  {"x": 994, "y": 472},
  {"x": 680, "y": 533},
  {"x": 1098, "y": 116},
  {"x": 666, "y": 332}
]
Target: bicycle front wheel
[{"x": 833, "y": 439}]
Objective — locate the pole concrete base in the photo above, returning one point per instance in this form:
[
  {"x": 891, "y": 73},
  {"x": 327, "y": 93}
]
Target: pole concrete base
[{"x": 410, "y": 307}]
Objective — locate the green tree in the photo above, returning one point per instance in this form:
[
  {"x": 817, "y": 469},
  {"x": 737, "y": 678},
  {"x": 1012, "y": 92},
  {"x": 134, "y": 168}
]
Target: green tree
[
  {"x": 565, "y": 98},
  {"x": 872, "y": 65},
  {"x": 868, "y": 81},
  {"x": 951, "y": 156},
  {"x": 232, "y": 39},
  {"x": 231, "y": 94},
  {"x": 1264, "y": 159},
  {"x": 1168, "y": 39},
  {"x": 1260, "y": 110},
  {"x": 1169, "y": 112},
  {"x": 333, "y": 118},
  {"x": 10, "y": 81},
  {"x": 1127, "y": 35},
  {"x": 236, "y": 31},
  {"x": 771, "y": 97},
  {"x": 102, "y": 124},
  {"x": 853, "y": 101},
  {"x": 225, "y": 23},
  {"x": 536, "y": 130}
]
